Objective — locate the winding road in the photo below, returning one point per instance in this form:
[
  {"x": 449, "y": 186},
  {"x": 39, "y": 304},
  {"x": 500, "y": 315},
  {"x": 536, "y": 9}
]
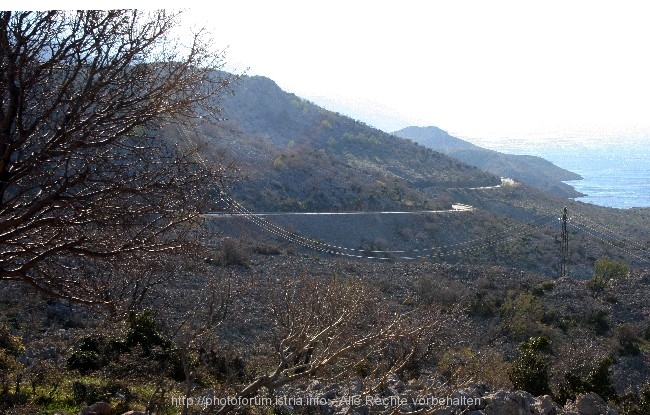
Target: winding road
[{"x": 456, "y": 207}]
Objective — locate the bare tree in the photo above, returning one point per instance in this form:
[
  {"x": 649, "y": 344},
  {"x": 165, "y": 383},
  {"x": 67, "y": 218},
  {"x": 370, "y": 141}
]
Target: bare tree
[
  {"x": 93, "y": 175},
  {"x": 330, "y": 329}
]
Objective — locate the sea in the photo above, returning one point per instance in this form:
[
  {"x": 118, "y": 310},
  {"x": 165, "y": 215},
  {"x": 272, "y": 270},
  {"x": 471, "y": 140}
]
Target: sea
[{"x": 615, "y": 174}]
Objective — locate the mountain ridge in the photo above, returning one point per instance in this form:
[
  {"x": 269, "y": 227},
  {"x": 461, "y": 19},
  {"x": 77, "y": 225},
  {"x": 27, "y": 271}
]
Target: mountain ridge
[
  {"x": 298, "y": 156},
  {"x": 294, "y": 156},
  {"x": 531, "y": 170}
]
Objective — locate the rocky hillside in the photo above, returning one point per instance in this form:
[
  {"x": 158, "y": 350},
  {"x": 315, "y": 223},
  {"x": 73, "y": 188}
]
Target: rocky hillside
[
  {"x": 481, "y": 320},
  {"x": 489, "y": 315},
  {"x": 296, "y": 156}
]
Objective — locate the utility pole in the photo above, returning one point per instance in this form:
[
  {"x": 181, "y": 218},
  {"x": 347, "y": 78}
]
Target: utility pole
[{"x": 565, "y": 244}]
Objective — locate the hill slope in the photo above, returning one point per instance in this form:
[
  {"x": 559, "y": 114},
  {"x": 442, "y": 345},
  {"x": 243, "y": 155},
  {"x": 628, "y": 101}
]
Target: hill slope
[
  {"x": 298, "y": 156},
  {"x": 294, "y": 156},
  {"x": 531, "y": 170}
]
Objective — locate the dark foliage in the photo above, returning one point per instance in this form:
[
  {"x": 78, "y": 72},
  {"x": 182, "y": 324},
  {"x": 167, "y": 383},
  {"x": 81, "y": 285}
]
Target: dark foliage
[
  {"x": 530, "y": 370},
  {"x": 96, "y": 352},
  {"x": 598, "y": 381}
]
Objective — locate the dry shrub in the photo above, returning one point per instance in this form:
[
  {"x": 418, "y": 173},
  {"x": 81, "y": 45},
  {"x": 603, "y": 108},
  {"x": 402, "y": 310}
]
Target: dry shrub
[{"x": 334, "y": 329}]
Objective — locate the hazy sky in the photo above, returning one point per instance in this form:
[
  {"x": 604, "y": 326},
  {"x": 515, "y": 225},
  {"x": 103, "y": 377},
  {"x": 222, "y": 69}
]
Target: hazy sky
[{"x": 482, "y": 70}]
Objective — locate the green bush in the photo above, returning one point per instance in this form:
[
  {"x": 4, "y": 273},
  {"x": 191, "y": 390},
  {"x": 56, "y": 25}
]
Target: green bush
[
  {"x": 143, "y": 334},
  {"x": 530, "y": 370},
  {"x": 89, "y": 393},
  {"x": 485, "y": 304},
  {"x": 628, "y": 337},
  {"x": 95, "y": 352},
  {"x": 610, "y": 269},
  {"x": 598, "y": 381},
  {"x": 10, "y": 344},
  {"x": 10, "y": 348},
  {"x": 555, "y": 319},
  {"x": 85, "y": 361},
  {"x": 521, "y": 314},
  {"x": 598, "y": 321},
  {"x": 638, "y": 403},
  {"x": 606, "y": 270},
  {"x": 570, "y": 387},
  {"x": 542, "y": 288},
  {"x": 143, "y": 331}
]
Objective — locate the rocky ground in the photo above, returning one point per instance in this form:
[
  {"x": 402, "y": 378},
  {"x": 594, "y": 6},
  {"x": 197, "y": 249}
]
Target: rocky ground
[
  {"x": 406, "y": 398},
  {"x": 494, "y": 309}
]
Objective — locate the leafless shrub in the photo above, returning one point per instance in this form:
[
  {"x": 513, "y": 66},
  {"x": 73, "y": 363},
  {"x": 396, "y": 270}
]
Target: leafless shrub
[
  {"x": 329, "y": 330},
  {"x": 232, "y": 253},
  {"x": 99, "y": 169},
  {"x": 440, "y": 291}
]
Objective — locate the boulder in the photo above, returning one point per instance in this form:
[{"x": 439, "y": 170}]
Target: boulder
[
  {"x": 590, "y": 404},
  {"x": 504, "y": 402},
  {"x": 545, "y": 405},
  {"x": 98, "y": 408}
]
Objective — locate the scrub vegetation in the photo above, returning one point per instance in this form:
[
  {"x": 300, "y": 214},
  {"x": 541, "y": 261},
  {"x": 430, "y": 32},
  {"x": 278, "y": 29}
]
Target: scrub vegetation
[{"x": 120, "y": 292}]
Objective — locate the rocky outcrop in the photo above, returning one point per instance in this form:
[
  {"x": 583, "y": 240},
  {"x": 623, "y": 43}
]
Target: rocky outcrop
[
  {"x": 475, "y": 399},
  {"x": 589, "y": 404},
  {"x": 98, "y": 408},
  {"x": 103, "y": 408},
  {"x": 424, "y": 396}
]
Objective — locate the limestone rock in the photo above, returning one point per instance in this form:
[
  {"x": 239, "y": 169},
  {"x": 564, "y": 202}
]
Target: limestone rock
[
  {"x": 545, "y": 405},
  {"x": 590, "y": 404},
  {"x": 98, "y": 408},
  {"x": 504, "y": 402}
]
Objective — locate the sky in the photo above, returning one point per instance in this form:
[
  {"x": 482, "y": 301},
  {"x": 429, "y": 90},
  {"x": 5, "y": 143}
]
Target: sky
[{"x": 492, "y": 72}]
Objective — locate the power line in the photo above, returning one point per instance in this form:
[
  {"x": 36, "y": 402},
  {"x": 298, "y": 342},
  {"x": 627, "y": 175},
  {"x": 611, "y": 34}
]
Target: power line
[
  {"x": 436, "y": 251},
  {"x": 606, "y": 230},
  {"x": 607, "y": 242}
]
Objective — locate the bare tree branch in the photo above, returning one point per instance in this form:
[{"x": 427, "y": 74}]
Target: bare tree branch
[
  {"x": 93, "y": 171},
  {"x": 325, "y": 329}
]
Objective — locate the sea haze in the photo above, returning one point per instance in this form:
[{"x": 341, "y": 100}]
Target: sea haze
[{"x": 614, "y": 174}]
